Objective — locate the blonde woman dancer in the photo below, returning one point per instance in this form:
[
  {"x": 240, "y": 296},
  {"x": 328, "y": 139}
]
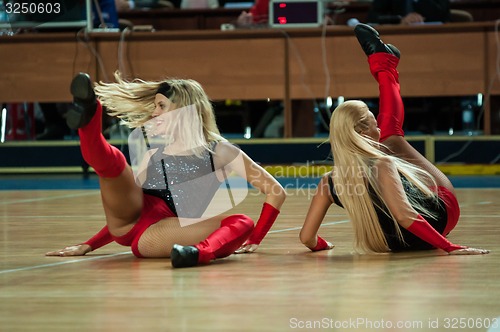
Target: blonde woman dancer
[
  {"x": 185, "y": 160},
  {"x": 395, "y": 198}
]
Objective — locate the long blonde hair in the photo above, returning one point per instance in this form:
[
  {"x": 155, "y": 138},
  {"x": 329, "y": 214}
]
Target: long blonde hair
[
  {"x": 133, "y": 101},
  {"x": 353, "y": 175}
]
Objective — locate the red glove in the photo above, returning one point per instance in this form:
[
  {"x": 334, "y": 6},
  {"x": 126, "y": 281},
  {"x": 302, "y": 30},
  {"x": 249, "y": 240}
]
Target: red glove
[
  {"x": 421, "y": 228},
  {"x": 102, "y": 238},
  {"x": 320, "y": 245},
  {"x": 266, "y": 220}
]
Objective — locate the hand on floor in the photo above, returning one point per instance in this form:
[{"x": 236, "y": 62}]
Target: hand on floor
[
  {"x": 76, "y": 250},
  {"x": 247, "y": 248}
]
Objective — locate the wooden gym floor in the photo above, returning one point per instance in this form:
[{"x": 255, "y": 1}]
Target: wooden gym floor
[{"x": 281, "y": 287}]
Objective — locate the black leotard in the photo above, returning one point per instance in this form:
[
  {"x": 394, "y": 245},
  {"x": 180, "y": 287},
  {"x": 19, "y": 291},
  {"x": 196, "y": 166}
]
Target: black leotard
[{"x": 412, "y": 242}]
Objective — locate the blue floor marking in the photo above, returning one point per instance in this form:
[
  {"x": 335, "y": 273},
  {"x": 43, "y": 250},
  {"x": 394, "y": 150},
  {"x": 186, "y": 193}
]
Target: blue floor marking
[{"x": 79, "y": 182}]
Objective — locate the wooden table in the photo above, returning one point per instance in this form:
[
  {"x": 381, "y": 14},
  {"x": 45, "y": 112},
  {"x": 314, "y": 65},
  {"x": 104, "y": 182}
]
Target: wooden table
[{"x": 445, "y": 60}]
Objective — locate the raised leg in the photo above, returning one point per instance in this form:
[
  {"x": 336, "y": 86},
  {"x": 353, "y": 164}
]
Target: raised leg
[
  {"x": 122, "y": 198},
  {"x": 383, "y": 60},
  {"x": 391, "y": 109}
]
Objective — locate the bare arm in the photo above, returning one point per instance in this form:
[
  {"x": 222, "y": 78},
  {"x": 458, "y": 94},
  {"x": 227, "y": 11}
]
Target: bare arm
[
  {"x": 232, "y": 158},
  {"x": 393, "y": 192},
  {"x": 258, "y": 177},
  {"x": 320, "y": 203}
]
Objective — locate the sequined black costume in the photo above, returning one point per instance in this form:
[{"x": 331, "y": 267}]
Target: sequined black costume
[{"x": 181, "y": 180}]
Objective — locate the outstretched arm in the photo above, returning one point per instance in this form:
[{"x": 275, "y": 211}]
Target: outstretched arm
[
  {"x": 260, "y": 179},
  {"x": 102, "y": 238},
  {"x": 229, "y": 156},
  {"x": 320, "y": 203}
]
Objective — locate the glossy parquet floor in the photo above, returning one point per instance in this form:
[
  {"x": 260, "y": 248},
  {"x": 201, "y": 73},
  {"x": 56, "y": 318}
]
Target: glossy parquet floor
[{"x": 281, "y": 287}]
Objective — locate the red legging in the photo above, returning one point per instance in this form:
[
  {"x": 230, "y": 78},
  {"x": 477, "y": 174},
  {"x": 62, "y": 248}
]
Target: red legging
[
  {"x": 391, "y": 109},
  {"x": 107, "y": 160},
  {"x": 391, "y": 117}
]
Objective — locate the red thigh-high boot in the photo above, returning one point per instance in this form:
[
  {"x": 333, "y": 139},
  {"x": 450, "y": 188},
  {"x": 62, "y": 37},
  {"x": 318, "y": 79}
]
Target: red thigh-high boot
[
  {"x": 107, "y": 160},
  {"x": 86, "y": 116},
  {"x": 383, "y": 60},
  {"x": 391, "y": 109},
  {"x": 233, "y": 232}
]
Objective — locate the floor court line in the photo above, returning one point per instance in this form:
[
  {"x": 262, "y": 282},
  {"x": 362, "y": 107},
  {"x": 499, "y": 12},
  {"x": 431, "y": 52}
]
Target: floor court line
[
  {"x": 93, "y": 192},
  {"x": 27, "y": 268},
  {"x": 86, "y": 259},
  {"x": 87, "y": 216},
  {"x": 41, "y": 199},
  {"x": 129, "y": 252},
  {"x": 479, "y": 216},
  {"x": 298, "y": 228}
]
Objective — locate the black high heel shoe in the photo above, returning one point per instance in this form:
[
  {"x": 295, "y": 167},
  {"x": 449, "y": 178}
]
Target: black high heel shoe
[
  {"x": 370, "y": 41},
  {"x": 184, "y": 256},
  {"x": 84, "y": 102}
]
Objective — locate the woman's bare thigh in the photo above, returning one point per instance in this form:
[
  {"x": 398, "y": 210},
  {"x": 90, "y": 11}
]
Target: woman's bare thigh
[
  {"x": 122, "y": 200},
  {"x": 158, "y": 239},
  {"x": 401, "y": 148}
]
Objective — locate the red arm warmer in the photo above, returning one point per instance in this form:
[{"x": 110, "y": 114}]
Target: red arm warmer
[
  {"x": 320, "y": 245},
  {"x": 102, "y": 238},
  {"x": 266, "y": 220},
  {"x": 421, "y": 228}
]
